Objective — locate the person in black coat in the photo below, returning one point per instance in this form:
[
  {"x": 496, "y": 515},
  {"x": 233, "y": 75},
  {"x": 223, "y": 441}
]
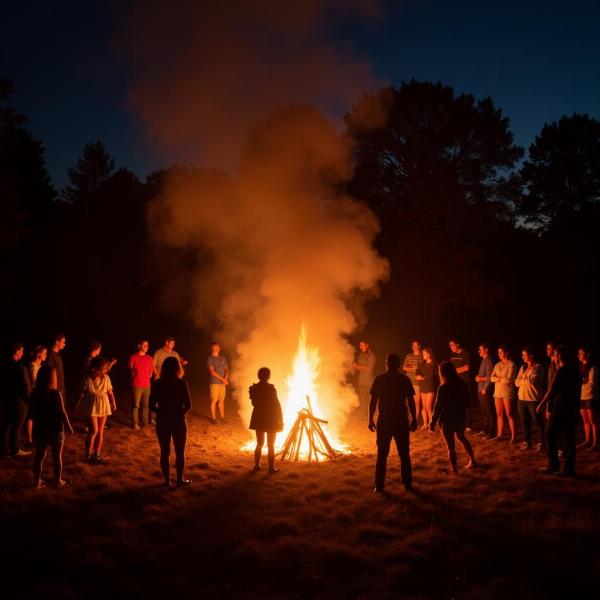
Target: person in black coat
[
  {"x": 267, "y": 418},
  {"x": 451, "y": 406},
  {"x": 170, "y": 401}
]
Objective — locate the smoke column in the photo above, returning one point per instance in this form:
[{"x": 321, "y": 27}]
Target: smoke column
[{"x": 230, "y": 86}]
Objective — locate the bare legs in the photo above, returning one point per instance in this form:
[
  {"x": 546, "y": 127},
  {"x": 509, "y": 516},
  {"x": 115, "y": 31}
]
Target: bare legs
[
  {"x": 504, "y": 405},
  {"x": 38, "y": 464},
  {"x": 590, "y": 427},
  {"x": 427, "y": 401},
  {"x": 448, "y": 435},
  {"x": 260, "y": 442},
  {"x": 95, "y": 437}
]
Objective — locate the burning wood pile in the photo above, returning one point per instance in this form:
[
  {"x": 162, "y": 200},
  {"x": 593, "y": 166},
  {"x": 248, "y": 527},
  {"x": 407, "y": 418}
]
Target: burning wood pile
[{"x": 306, "y": 437}]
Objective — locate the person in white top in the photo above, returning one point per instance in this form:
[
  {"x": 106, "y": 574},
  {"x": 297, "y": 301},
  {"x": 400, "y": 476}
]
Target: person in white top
[
  {"x": 530, "y": 381},
  {"x": 503, "y": 376},
  {"x": 590, "y": 405}
]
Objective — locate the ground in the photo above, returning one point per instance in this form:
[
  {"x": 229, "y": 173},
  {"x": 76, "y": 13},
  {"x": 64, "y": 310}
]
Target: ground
[{"x": 311, "y": 530}]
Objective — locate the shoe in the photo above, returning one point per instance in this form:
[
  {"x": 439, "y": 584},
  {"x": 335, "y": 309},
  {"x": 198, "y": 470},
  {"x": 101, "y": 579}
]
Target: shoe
[
  {"x": 273, "y": 470},
  {"x": 61, "y": 483},
  {"x": 378, "y": 489},
  {"x": 184, "y": 482},
  {"x": 525, "y": 446},
  {"x": 97, "y": 460},
  {"x": 549, "y": 471},
  {"x": 257, "y": 468},
  {"x": 21, "y": 452}
]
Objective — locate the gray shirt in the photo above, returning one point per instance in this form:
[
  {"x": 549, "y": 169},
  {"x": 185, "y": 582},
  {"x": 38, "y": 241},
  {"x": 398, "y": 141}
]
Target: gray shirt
[
  {"x": 159, "y": 358},
  {"x": 366, "y": 359},
  {"x": 219, "y": 365}
]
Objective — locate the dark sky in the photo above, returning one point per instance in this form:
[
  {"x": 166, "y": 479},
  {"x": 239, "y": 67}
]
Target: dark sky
[{"x": 537, "y": 60}]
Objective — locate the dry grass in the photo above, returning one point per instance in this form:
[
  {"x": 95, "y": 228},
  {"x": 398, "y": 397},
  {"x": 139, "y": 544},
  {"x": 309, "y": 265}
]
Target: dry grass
[{"x": 308, "y": 531}]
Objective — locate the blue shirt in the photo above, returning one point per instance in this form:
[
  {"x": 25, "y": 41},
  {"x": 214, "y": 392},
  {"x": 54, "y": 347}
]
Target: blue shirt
[
  {"x": 219, "y": 364},
  {"x": 486, "y": 367}
]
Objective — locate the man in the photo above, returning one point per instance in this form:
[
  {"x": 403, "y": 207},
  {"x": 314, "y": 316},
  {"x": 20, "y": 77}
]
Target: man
[
  {"x": 95, "y": 350},
  {"x": 140, "y": 369},
  {"x": 412, "y": 362},
  {"x": 393, "y": 393},
  {"x": 364, "y": 367},
  {"x": 552, "y": 366},
  {"x": 218, "y": 370},
  {"x": 484, "y": 393},
  {"x": 167, "y": 350},
  {"x": 561, "y": 406},
  {"x": 54, "y": 360},
  {"x": 16, "y": 392},
  {"x": 462, "y": 361}
]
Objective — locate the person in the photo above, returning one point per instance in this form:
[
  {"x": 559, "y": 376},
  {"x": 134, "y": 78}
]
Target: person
[
  {"x": 411, "y": 364},
  {"x": 393, "y": 393},
  {"x": 503, "y": 376},
  {"x": 165, "y": 352},
  {"x": 561, "y": 405},
  {"x": 266, "y": 418},
  {"x": 96, "y": 403},
  {"x": 590, "y": 407},
  {"x": 462, "y": 362},
  {"x": 50, "y": 420},
  {"x": 17, "y": 388},
  {"x": 170, "y": 400},
  {"x": 218, "y": 371},
  {"x": 364, "y": 368},
  {"x": 140, "y": 369},
  {"x": 451, "y": 411},
  {"x": 38, "y": 356},
  {"x": 530, "y": 384},
  {"x": 54, "y": 360},
  {"x": 485, "y": 392},
  {"x": 95, "y": 349},
  {"x": 552, "y": 364},
  {"x": 426, "y": 376}
]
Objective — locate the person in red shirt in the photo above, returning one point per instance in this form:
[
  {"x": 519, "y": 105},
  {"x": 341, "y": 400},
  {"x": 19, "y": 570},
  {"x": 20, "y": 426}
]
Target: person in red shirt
[{"x": 140, "y": 367}]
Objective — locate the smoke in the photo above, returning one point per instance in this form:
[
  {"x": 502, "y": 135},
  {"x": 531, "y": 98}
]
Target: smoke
[{"x": 280, "y": 245}]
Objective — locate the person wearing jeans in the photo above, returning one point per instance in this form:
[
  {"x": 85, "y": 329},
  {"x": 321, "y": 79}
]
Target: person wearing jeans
[
  {"x": 140, "y": 368},
  {"x": 530, "y": 382},
  {"x": 485, "y": 393}
]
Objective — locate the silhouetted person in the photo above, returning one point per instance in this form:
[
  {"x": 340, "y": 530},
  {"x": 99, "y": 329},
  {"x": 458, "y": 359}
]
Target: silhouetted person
[
  {"x": 393, "y": 393},
  {"x": 530, "y": 383},
  {"x": 266, "y": 417},
  {"x": 461, "y": 360},
  {"x": 170, "y": 400},
  {"x": 485, "y": 393},
  {"x": 561, "y": 404},
  {"x": 16, "y": 390},
  {"x": 47, "y": 411},
  {"x": 451, "y": 411},
  {"x": 364, "y": 366},
  {"x": 54, "y": 360},
  {"x": 38, "y": 357}
]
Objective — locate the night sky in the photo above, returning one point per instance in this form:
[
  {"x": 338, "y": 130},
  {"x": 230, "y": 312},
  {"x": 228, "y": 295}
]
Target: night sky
[{"x": 537, "y": 60}]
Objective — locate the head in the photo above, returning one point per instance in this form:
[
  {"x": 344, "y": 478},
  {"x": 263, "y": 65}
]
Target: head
[
  {"x": 392, "y": 362},
  {"x": 503, "y": 352},
  {"x": 264, "y": 374},
  {"x": 528, "y": 355},
  {"x": 143, "y": 346},
  {"x": 363, "y": 346},
  {"x": 98, "y": 366},
  {"x": 46, "y": 379},
  {"x": 95, "y": 348},
  {"x": 428, "y": 354},
  {"x": 215, "y": 348},
  {"x": 447, "y": 372},
  {"x": 454, "y": 345},
  {"x": 563, "y": 355},
  {"x": 169, "y": 343},
  {"x": 416, "y": 346},
  {"x": 583, "y": 355},
  {"x": 16, "y": 351},
  {"x": 171, "y": 369},
  {"x": 40, "y": 353},
  {"x": 59, "y": 341},
  {"x": 484, "y": 349},
  {"x": 550, "y": 348}
]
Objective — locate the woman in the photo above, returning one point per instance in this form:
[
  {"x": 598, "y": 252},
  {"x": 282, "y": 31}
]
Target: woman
[
  {"x": 451, "y": 412},
  {"x": 96, "y": 403},
  {"x": 590, "y": 406},
  {"x": 530, "y": 383},
  {"x": 266, "y": 417},
  {"x": 503, "y": 376},
  {"x": 427, "y": 378},
  {"x": 47, "y": 411},
  {"x": 39, "y": 355},
  {"x": 170, "y": 400}
]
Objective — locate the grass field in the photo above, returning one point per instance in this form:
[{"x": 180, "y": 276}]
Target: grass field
[{"x": 311, "y": 530}]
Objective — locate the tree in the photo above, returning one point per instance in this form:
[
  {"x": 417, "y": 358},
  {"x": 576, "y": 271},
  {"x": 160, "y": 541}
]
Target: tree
[{"x": 562, "y": 173}]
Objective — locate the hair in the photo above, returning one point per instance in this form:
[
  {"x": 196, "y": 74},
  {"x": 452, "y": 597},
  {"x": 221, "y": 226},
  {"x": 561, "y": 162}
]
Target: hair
[
  {"x": 393, "y": 361},
  {"x": 484, "y": 345},
  {"x": 264, "y": 373},
  {"x": 530, "y": 350},
  {"x": 455, "y": 341},
  {"x": 168, "y": 339},
  {"x": 213, "y": 344},
  {"x": 57, "y": 337},
  {"x": 448, "y": 371},
  {"x": 415, "y": 341},
  {"x": 563, "y": 353},
  {"x": 38, "y": 350},
  {"x": 142, "y": 340},
  {"x": 95, "y": 345},
  {"x": 97, "y": 364},
  {"x": 170, "y": 369},
  {"x": 551, "y": 343},
  {"x": 429, "y": 351},
  {"x": 15, "y": 347},
  {"x": 44, "y": 377},
  {"x": 585, "y": 368},
  {"x": 504, "y": 349}
]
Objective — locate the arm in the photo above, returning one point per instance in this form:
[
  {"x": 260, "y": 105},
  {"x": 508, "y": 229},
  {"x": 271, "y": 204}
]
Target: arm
[
  {"x": 437, "y": 409},
  {"x": 187, "y": 401},
  {"x": 494, "y": 376},
  {"x": 212, "y": 371},
  {"x": 405, "y": 366},
  {"x": 521, "y": 379},
  {"x": 372, "y": 408},
  {"x": 155, "y": 368},
  {"x": 63, "y": 414}
]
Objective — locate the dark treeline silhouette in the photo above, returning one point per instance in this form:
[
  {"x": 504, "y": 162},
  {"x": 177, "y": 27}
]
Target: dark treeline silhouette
[{"x": 484, "y": 240}]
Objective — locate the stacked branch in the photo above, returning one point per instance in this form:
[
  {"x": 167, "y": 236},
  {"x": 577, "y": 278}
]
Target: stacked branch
[{"x": 309, "y": 426}]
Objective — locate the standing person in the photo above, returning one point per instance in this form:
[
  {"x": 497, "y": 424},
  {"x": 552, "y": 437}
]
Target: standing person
[
  {"x": 451, "y": 412},
  {"x": 552, "y": 364},
  {"x": 590, "y": 407},
  {"x": 50, "y": 420},
  {"x": 365, "y": 368},
  {"x": 561, "y": 405},
  {"x": 410, "y": 366},
  {"x": 503, "y": 376},
  {"x": 96, "y": 403},
  {"x": 266, "y": 418},
  {"x": 140, "y": 369},
  {"x": 95, "y": 349},
  {"x": 17, "y": 388},
  {"x": 170, "y": 400},
  {"x": 462, "y": 363},
  {"x": 165, "y": 352},
  {"x": 530, "y": 383},
  {"x": 54, "y": 360},
  {"x": 218, "y": 371},
  {"x": 393, "y": 393},
  {"x": 38, "y": 356},
  {"x": 427, "y": 378},
  {"x": 485, "y": 392}
]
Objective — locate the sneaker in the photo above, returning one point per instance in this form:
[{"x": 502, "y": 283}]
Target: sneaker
[
  {"x": 184, "y": 482},
  {"x": 97, "y": 460},
  {"x": 525, "y": 446},
  {"x": 21, "y": 452},
  {"x": 273, "y": 470}
]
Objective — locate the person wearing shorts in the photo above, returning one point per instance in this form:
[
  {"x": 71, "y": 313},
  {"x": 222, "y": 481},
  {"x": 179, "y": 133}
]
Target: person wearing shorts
[{"x": 218, "y": 370}]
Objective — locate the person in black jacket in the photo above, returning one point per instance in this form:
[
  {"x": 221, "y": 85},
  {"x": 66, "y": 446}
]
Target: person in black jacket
[
  {"x": 170, "y": 401},
  {"x": 561, "y": 406},
  {"x": 451, "y": 411},
  {"x": 266, "y": 417}
]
